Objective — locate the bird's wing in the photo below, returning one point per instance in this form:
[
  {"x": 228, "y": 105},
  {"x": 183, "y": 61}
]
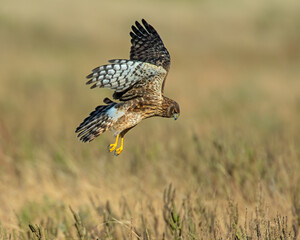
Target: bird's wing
[
  {"x": 123, "y": 75},
  {"x": 147, "y": 46}
]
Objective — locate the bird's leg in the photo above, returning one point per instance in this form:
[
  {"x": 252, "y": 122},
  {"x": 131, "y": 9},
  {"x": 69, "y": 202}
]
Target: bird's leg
[
  {"x": 120, "y": 149},
  {"x": 113, "y": 146}
]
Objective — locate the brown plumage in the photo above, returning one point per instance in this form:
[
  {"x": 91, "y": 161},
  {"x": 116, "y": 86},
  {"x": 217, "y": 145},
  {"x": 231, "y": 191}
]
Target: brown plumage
[{"x": 138, "y": 84}]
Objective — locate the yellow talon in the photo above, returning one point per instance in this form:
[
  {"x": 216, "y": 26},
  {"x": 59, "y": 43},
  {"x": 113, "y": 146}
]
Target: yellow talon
[
  {"x": 114, "y": 145},
  {"x": 120, "y": 149}
]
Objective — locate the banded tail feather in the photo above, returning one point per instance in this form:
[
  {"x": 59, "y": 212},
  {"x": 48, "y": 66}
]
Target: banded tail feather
[{"x": 100, "y": 120}]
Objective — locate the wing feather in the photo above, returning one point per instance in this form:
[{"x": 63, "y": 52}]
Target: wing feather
[
  {"x": 147, "y": 46},
  {"x": 119, "y": 75},
  {"x": 145, "y": 71},
  {"x": 122, "y": 74}
]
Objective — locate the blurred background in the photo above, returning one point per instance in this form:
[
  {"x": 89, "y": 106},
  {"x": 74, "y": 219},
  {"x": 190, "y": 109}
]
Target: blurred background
[{"x": 235, "y": 72}]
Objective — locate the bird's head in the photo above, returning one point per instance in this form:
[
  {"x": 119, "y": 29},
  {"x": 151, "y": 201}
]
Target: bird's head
[{"x": 174, "y": 110}]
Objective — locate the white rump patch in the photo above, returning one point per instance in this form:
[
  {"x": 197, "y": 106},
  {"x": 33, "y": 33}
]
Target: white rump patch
[{"x": 115, "y": 113}]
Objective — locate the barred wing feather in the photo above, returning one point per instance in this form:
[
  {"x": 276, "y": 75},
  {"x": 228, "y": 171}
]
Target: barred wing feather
[{"x": 122, "y": 74}]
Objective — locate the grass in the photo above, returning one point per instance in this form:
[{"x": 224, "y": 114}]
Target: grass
[
  {"x": 189, "y": 218},
  {"x": 233, "y": 155}
]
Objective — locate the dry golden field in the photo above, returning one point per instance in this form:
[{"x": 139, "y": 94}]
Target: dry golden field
[{"x": 233, "y": 156}]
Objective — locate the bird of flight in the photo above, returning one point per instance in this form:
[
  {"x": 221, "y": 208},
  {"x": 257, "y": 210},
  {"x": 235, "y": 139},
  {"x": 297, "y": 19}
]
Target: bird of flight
[{"x": 138, "y": 85}]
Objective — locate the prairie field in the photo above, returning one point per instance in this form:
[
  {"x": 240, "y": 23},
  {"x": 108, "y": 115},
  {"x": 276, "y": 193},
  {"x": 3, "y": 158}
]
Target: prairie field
[{"x": 228, "y": 168}]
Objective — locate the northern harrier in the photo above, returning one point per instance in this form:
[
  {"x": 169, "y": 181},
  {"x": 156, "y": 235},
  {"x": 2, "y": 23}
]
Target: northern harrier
[{"x": 138, "y": 84}]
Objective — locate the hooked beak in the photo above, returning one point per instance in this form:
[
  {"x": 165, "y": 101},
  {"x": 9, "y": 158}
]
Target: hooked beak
[{"x": 175, "y": 116}]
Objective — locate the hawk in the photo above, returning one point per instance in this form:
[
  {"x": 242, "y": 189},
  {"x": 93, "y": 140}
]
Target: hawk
[{"x": 138, "y": 85}]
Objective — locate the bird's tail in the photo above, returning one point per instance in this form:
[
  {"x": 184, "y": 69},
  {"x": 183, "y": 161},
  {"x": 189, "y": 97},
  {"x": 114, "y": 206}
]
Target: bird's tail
[{"x": 97, "y": 123}]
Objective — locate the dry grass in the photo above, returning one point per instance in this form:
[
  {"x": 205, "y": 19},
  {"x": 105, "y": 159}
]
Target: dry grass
[{"x": 233, "y": 156}]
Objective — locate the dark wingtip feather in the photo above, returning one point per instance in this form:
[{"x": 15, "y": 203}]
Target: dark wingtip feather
[
  {"x": 138, "y": 24},
  {"x": 146, "y": 24},
  {"x": 150, "y": 29},
  {"x": 95, "y": 69},
  {"x": 144, "y": 21},
  {"x": 113, "y": 60},
  {"x": 146, "y": 45},
  {"x": 89, "y": 82},
  {"x": 135, "y": 30},
  {"x": 95, "y": 85},
  {"x": 141, "y": 29},
  {"x": 89, "y": 76},
  {"x": 132, "y": 35}
]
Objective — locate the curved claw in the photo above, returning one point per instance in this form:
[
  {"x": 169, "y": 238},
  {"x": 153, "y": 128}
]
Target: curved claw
[
  {"x": 113, "y": 146},
  {"x": 120, "y": 149}
]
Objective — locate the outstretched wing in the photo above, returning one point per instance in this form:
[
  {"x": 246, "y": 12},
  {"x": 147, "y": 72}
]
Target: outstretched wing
[
  {"x": 122, "y": 75},
  {"x": 145, "y": 71},
  {"x": 147, "y": 46}
]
